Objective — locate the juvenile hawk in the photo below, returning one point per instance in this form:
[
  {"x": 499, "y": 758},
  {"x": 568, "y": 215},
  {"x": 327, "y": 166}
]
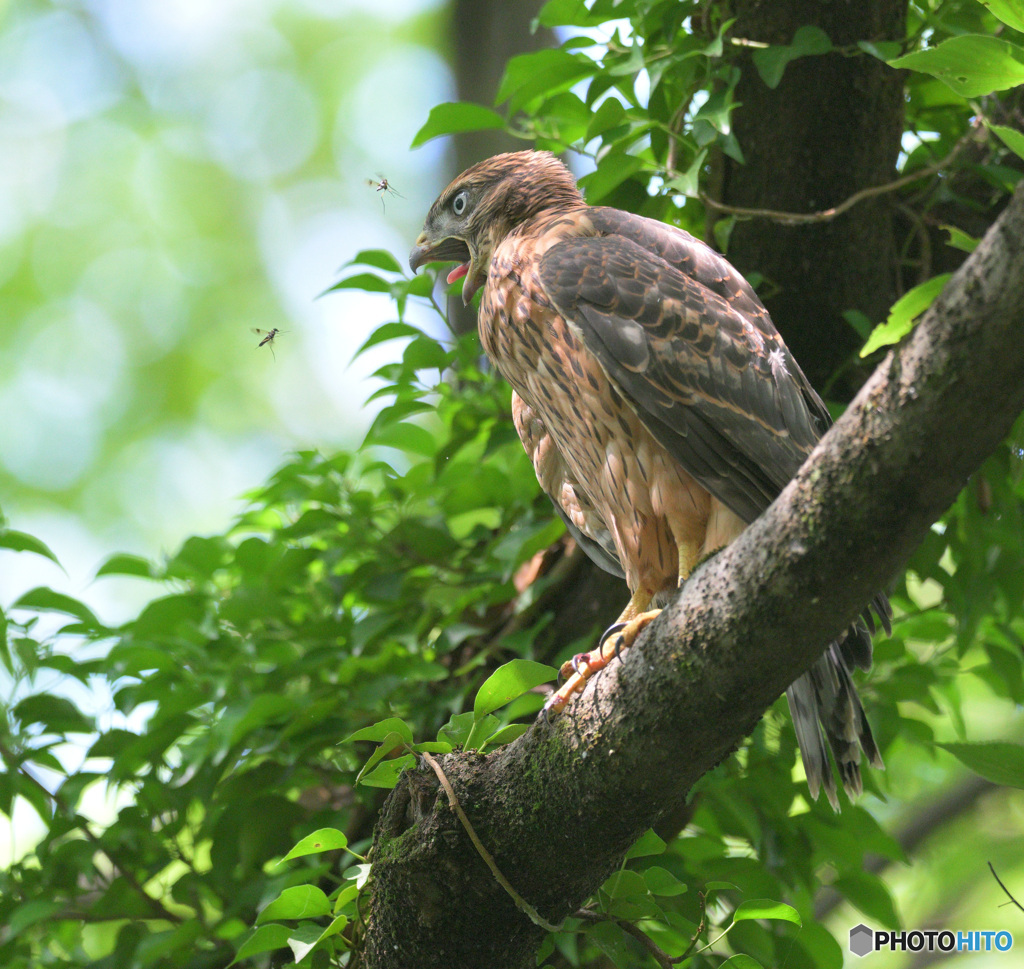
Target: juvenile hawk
[{"x": 661, "y": 409}]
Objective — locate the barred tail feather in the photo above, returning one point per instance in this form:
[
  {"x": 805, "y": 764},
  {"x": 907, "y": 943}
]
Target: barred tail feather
[{"x": 824, "y": 705}]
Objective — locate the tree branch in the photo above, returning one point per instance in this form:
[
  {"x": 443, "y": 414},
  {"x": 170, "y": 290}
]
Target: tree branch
[{"x": 558, "y": 808}]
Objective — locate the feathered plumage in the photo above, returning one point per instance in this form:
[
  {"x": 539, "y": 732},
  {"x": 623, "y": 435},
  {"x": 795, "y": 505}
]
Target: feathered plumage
[{"x": 660, "y": 406}]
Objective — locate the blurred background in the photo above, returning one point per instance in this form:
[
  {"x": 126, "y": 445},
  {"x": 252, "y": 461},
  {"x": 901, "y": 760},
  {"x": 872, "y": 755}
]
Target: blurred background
[{"x": 173, "y": 175}]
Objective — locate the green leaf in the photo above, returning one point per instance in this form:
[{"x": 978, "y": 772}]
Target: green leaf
[
  {"x": 660, "y": 881},
  {"x": 482, "y": 729},
  {"x": 392, "y": 742},
  {"x": 688, "y": 183},
  {"x": 367, "y": 282},
  {"x": 1013, "y": 139},
  {"x": 386, "y": 775},
  {"x": 378, "y": 731},
  {"x": 959, "y": 239},
  {"x": 625, "y": 884},
  {"x": 741, "y": 961},
  {"x": 506, "y": 735},
  {"x": 1010, "y": 12},
  {"x": 720, "y": 887},
  {"x": 765, "y": 908},
  {"x": 567, "y": 13},
  {"x": 543, "y": 72},
  {"x": 156, "y": 946},
  {"x": 509, "y": 681},
  {"x": 457, "y": 730},
  {"x": 43, "y": 599},
  {"x": 31, "y": 913},
  {"x": 971, "y": 64},
  {"x": 5, "y": 651},
  {"x": 1001, "y": 763},
  {"x": 264, "y": 939},
  {"x": 169, "y": 614},
  {"x": 377, "y": 258},
  {"x": 123, "y": 564},
  {"x": 771, "y": 62},
  {"x": 385, "y": 332},
  {"x": 648, "y": 844},
  {"x": 323, "y": 839},
  {"x": 408, "y": 437},
  {"x": 609, "y": 114},
  {"x": 348, "y": 894},
  {"x": 903, "y": 314},
  {"x": 870, "y": 896},
  {"x": 453, "y": 117},
  {"x": 425, "y": 353},
  {"x": 56, "y": 713},
  {"x": 303, "y": 939},
  {"x": 23, "y": 542},
  {"x": 300, "y": 902},
  {"x": 884, "y": 50},
  {"x": 613, "y": 170}
]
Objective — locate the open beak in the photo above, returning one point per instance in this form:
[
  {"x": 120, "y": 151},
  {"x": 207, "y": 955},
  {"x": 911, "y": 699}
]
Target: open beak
[{"x": 447, "y": 250}]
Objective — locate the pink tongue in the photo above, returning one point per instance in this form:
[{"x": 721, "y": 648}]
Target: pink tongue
[{"x": 458, "y": 272}]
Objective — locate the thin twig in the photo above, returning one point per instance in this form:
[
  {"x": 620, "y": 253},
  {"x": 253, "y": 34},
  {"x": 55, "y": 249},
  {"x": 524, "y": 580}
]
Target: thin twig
[
  {"x": 1004, "y": 888},
  {"x": 825, "y": 215},
  {"x": 659, "y": 955},
  {"x": 700, "y": 928},
  {"x": 674, "y": 138},
  {"x": 521, "y": 903}
]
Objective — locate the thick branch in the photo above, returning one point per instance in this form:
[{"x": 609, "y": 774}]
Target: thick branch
[{"x": 558, "y": 808}]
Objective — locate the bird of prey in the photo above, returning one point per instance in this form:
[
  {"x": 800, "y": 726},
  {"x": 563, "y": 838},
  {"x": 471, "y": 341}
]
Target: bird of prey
[{"x": 660, "y": 407}]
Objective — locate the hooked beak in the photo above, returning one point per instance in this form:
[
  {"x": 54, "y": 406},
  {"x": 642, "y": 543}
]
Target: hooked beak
[
  {"x": 450, "y": 249},
  {"x": 447, "y": 250}
]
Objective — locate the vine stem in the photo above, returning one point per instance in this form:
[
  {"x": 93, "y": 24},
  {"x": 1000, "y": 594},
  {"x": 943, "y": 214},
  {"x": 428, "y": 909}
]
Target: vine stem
[
  {"x": 826, "y": 215},
  {"x": 521, "y": 903}
]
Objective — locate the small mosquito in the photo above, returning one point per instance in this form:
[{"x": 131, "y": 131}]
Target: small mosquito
[
  {"x": 382, "y": 185},
  {"x": 269, "y": 336}
]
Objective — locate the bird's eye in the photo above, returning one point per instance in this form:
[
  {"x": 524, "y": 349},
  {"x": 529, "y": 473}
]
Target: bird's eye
[{"x": 459, "y": 203}]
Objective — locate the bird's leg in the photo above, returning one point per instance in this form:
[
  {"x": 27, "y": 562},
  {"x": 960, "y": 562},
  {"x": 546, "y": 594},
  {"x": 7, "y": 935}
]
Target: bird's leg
[
  {"x": 620, "y": 634},
  {"x": 689, "y": 558}
]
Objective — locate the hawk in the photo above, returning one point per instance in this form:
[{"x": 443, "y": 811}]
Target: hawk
[{"x": 660, "y": 407}]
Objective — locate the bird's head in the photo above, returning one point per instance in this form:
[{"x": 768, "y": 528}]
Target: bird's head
[{"x": 483, "y": 205}]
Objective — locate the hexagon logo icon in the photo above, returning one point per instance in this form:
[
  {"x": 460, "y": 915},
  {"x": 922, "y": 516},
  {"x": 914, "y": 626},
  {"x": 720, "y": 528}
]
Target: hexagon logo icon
[{"x": 862, "y": 940}]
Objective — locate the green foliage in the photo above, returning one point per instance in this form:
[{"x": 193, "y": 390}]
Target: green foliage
[
  {"x": 905, "y": 311},
  {"x": 243, "y": 728},
  {"x": 771, "y": 61},
  {"x": 999, "y": 763},
  {"x": 970, "y": 65}
]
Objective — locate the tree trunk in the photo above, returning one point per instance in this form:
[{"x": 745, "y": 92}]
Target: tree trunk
[
  {"x": 487, "y": 34},
  {"x": 549, "y": 807},
  {"x": 831, "y": 128}
]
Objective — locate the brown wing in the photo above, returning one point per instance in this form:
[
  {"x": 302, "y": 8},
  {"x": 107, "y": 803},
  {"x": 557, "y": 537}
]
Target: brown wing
[{"x": 708, "y": 375}]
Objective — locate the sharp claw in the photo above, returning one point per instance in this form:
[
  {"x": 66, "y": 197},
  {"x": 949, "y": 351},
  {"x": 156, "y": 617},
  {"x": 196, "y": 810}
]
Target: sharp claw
[{"x": 614, "y": 628}]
